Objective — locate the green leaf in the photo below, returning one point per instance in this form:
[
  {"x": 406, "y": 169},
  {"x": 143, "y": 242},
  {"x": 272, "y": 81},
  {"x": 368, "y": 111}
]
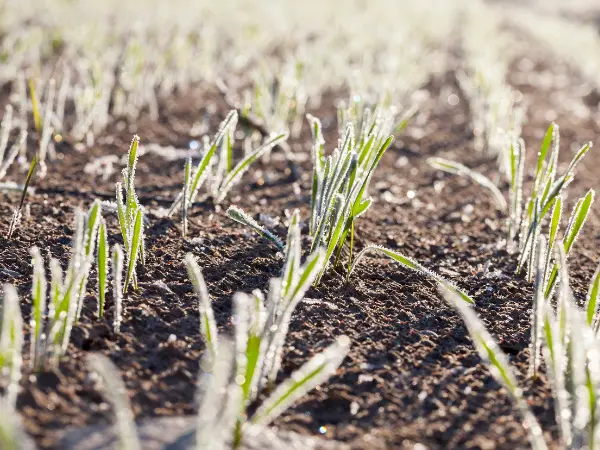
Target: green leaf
[
  {"x": 132, "y": 203},
  {"x": 244, "y": 164},
  {"x": 92, "y": 226},
  {"x": 361, "y": 207},
  {"x": 406, "y": 118},
  {"x": 116, "y": 392},
  {"x": 293, "y": 253},
  {"x": 497, "y": 362},
  {"x": 121, "y": 216},
  {"x": 37, "y": 122},
  {"x": 580, "y": 215},
  {"x": 412, "y": 265},
  {"x": 550, "y": 133},
  {"x": 12, "y": 435},
  {"x": 592, "y": 303},
  {"x": 200, "y": 172},
  {"x": 102, "y": 263},
  {"x": 456, "y": 168},
  {"x": 38, "y": 298},
  {"x": 117, "y": 276},
  {"x": 337, "y": 229},
  {"x": 134, "y": 248},
  {"x": 371, "y": 169},
  {"x": 308, "y": 272},
  {"x": 537, "y": 311},
  {"x": 240, "y": 216},
  {"x": 330, "y": 200},
  {"x": 554, "y": 222},
  {"x": 302, "y": 381}
]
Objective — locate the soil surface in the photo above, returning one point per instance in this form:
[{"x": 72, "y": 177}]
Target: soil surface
[{"x": 412, "y": 375}]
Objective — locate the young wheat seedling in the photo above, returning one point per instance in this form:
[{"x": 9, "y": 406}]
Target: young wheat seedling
[
  {"x": 340, "y": 181},
  {"x": 92, "y": 222},
  {"x": 546, "y": 190},
  {"x": 592, "y": 302},
  {"x": 216, "y": 166},
  {"x": 238, "y": 215},
  {"x": 260, "y": 330},
  {"x": 55, "y": 309},
  {"x": 38, "y": 300},
  {"x": 131, "y": 217}
]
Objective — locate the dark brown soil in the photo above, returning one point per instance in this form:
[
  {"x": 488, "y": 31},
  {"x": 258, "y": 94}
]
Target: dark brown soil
[{"x": 412, "y": 370}]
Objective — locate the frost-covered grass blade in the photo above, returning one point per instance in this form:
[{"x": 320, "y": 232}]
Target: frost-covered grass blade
[
  {"x": 497, "y": 362},
  {"x": 241, "y": 217},
  {"x": 310, "y": 375},
  {"x": 456, "y": 168},
  {"x": 117, "y": 282},
  {"x": 576, "y": 222},
  {"x": 135, "y": 247},
  {"x": 102, "y": 266},
  {"x": 412, "y": 265}
]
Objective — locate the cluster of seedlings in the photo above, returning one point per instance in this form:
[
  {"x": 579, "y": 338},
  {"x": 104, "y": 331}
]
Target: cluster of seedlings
[{"x": 239, "y": 390}]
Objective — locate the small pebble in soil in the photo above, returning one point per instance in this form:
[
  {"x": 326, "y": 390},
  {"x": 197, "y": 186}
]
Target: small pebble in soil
[
  {"x": 172, "y": 338},
  {"x": 401, "y": 162},
  {"x": 467, "y": 212},
  {"x": 362, "y": 378},
  {"x": 354, "y": 408}
]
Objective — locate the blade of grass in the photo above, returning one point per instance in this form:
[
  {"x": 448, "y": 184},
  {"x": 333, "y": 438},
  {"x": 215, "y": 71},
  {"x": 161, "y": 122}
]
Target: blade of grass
[
  {"x": 453, "y": 167},
  {"x": 102, "y": 266},
  {"x": 134, "y": 249},
  {"x": 412, "y": 265},
  {"x": 117, "y": 276},
  {"x": 240, "y": 216},
  {"x": 302, "y": 381},
  {"x": 241, "y": 167},
  {"x": 537, "y": 310},
  {"x": 592, "y": 303},
  {"x": 498, "y": 364},
  {"x": 38, "y": 297}
]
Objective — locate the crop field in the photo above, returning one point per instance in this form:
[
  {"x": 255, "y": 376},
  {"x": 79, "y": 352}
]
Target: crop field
[{"x": 326, "y": 225}]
